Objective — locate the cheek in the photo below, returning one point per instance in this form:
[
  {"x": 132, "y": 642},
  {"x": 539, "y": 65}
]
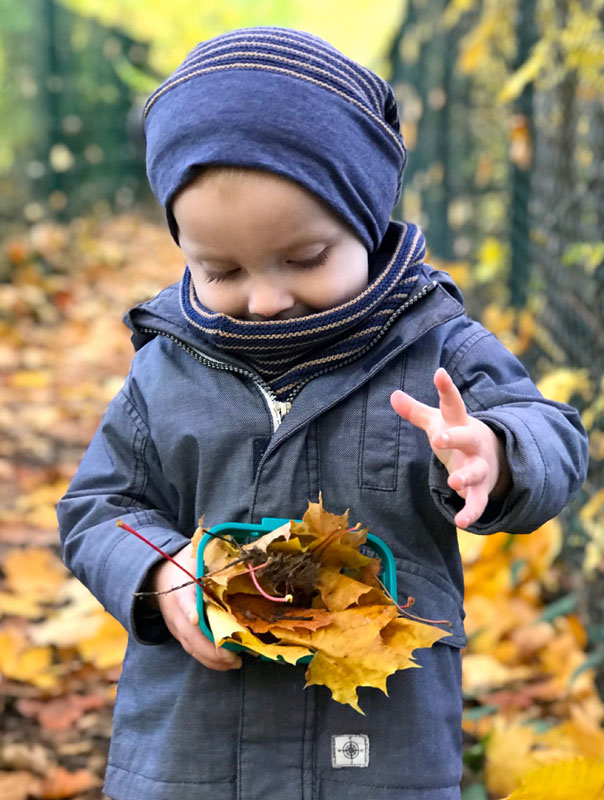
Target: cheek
[
  {"x": 220, "y": 297},
  {"x": 342, "y": 282}
]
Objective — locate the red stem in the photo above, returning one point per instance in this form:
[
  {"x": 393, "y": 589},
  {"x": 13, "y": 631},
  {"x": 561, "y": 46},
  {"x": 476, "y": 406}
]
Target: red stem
[
  {"x": 252, "y": 572},
  {"x": 126, "y": 527}
]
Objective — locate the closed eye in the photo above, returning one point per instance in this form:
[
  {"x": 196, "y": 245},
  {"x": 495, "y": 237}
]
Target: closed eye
[
  {"x": 218, "y": 277},
  {"x": 311, "y": 263}
]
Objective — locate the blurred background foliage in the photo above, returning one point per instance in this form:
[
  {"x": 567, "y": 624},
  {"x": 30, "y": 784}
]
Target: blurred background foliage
[
  {"x": 502, "y": 108},
  {"x": 74, "y": 74}
]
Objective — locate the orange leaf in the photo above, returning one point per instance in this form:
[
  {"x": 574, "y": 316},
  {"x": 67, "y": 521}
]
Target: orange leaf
[{"x": 61, "y": 784}]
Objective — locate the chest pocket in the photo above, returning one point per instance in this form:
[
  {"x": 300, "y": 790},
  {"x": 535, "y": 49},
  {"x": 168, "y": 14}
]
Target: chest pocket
[{"x": 383, "y": 432}]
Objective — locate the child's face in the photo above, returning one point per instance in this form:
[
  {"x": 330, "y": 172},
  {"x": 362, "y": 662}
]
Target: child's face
[{"x": 261, "y": 247}]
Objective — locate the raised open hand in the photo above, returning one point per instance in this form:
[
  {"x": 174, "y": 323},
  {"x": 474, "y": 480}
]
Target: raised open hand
[{"x": 469, "y": 449}]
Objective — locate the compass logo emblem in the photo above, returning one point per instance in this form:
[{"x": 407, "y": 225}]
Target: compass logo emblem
[{"x": 350, "y": 750}]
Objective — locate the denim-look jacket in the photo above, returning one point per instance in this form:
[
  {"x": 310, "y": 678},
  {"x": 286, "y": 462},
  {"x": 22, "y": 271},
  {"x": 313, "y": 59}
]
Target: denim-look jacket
[{"x": 193, "y": 433}]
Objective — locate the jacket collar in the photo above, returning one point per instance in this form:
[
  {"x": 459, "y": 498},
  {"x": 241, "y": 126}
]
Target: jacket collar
[{"x": 435, "y": 302}]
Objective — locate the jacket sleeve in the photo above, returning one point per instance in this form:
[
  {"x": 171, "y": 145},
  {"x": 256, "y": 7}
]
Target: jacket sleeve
[
  {"x": 544, "y": 441},
  {"x": 119, "y": 478}
]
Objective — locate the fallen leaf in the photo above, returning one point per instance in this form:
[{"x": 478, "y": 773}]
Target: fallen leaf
[
  {"x": 21, "y": 662},
  {"x": 60, "y": 713},
  {"x": 25, "y": 756},
  {"x": 61, "y": 784},
  {"x": 17, "y": 785},
  {"x": 567, "y": 780},
  {"x": 351, "y": 629},
  {"x": 226, "y": 629},
  {"x": 107, "y": 647},
  {"x": 33, "y": 572}
]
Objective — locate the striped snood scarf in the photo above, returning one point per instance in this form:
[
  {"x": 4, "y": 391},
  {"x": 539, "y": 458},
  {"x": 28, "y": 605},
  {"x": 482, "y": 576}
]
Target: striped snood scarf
[{"x": 289, "y": 353}]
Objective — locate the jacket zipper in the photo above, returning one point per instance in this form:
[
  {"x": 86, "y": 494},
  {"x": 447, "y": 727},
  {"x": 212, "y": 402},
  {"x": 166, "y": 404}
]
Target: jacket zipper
[{"x": 278, "y": 409}]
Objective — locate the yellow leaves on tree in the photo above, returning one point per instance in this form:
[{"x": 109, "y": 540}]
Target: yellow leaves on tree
[{"x": 338, "y": 615}]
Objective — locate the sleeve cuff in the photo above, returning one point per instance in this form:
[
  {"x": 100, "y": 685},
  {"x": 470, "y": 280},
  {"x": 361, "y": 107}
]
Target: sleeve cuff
[
  {"x": 126, "y": 571},
  {"x": 449, "y": 503}
]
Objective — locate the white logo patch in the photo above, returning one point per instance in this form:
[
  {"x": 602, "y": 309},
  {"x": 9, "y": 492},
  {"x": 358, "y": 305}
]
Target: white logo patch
[{"x": 350, "y": 750}]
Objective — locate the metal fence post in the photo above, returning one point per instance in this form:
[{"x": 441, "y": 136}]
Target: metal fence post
[{"x": 521, "y": 168}]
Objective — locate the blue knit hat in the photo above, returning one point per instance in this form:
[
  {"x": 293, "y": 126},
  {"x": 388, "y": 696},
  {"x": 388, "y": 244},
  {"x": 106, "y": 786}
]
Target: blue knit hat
[{"x": 287, "y": 102}]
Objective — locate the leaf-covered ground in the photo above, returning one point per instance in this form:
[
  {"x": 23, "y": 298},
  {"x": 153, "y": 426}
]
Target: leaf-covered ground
[{"x": 530, "y": 693}]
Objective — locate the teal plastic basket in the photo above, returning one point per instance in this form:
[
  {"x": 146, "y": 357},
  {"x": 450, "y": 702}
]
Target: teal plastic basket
[{"x": 243, "y": 534}]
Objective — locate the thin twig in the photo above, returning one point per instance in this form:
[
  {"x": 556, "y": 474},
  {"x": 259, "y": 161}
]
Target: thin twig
[
  {"x": 166, "y": 591},
  {"x": 410, "y": 602}
]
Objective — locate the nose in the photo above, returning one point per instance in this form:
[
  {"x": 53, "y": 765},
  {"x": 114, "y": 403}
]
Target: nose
[{"x": 269, "y": 299}]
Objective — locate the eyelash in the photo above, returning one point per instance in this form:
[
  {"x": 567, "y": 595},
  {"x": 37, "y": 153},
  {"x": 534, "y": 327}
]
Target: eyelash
[{"x": 310, "y": 263}]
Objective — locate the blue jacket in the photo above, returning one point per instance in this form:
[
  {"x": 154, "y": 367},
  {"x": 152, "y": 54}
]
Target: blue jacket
[{"x": 191, "y": 433}]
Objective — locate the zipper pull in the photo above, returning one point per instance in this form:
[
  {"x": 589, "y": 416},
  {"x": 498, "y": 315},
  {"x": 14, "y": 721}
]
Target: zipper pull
[{"x": 281, "y": 409}]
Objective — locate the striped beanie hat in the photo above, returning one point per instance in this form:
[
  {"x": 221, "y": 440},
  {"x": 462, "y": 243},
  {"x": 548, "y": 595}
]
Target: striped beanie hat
[{"x": 287, "y": 102}]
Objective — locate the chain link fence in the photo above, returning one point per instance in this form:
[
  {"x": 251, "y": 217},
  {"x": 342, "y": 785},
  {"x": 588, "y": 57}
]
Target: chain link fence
[
  {"x": 503, "y": 112},
  {"x": 71, "y": 141}
]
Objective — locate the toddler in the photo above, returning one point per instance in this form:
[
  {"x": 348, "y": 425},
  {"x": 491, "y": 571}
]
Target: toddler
[{"x": 308, "y": 348}]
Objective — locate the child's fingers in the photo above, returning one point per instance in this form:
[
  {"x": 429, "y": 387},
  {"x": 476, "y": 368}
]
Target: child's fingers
[
  {"x": 205, "y": 651},
  {"x": 462, "y": 437},
  {"x": 471, "y": 473},
  {"x": 412, "y": 410},
  {"x": 452, "y": 405},
  {"x": 476, "y": 502}
]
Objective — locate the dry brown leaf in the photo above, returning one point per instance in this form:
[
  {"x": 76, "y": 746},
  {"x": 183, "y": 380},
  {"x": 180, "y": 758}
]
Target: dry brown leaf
[{"x": 60, "y": 713}]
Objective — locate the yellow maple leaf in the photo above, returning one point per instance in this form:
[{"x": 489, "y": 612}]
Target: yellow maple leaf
[
  {"x": 343, "y": 676},
  {"x": 107, "y": 646},
  {"x": 20, "y": 661},
  {"x": 197, "y": 537},
  {"x": 339, "y": 591},
  {"x": 352, "y": 629},
  {"x": 379, "y": 658},
  {"x": 225, "y": 628},
  {"x": 34, "y": 572},
  {"x": 566, "y": 780}
]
